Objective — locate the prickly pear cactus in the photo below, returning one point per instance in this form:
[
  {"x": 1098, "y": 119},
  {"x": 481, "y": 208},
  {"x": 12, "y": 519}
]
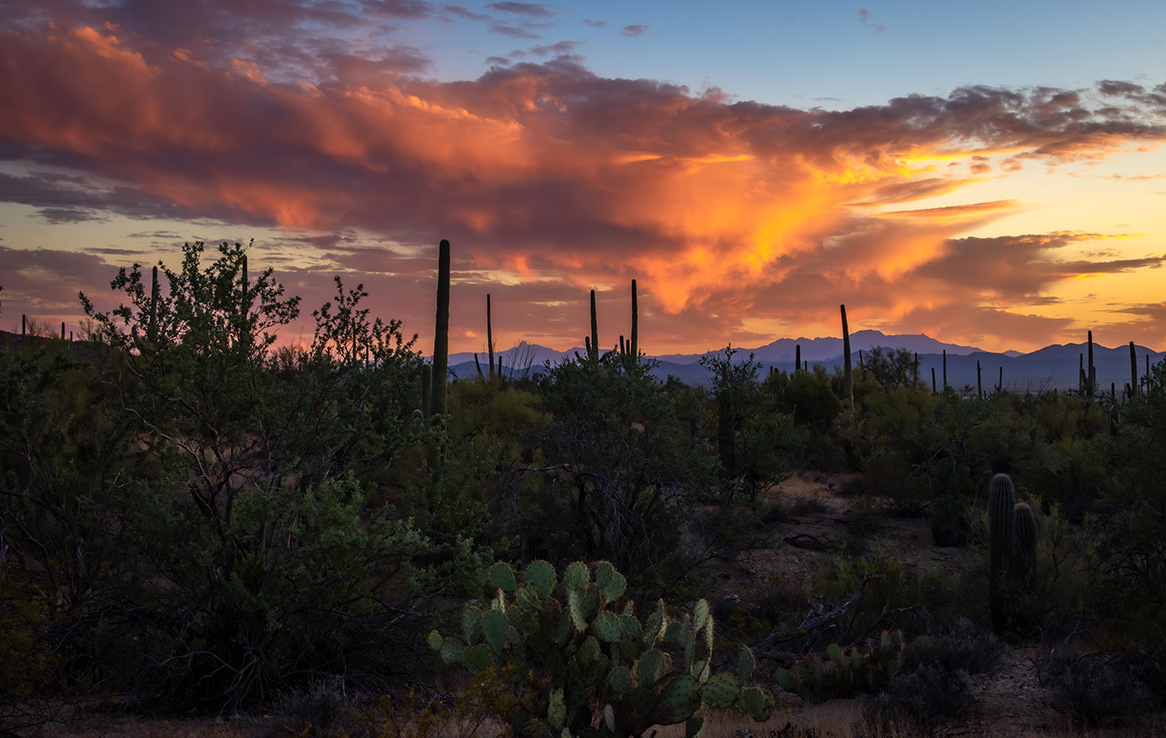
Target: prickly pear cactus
[
  {"x": 845, "y": 672},
  {"x": 566, "y": 647}
]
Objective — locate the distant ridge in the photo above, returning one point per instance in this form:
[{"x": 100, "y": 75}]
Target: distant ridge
[
  {"x": 822, "y": 349},
  {"x": 1052, "y": 367}
]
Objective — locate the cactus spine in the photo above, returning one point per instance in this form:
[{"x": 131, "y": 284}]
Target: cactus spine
[
  {"x": 441, "y": 333},
  {"x": 847, "y": 374},
  {"x": 1002, "y": 537}
]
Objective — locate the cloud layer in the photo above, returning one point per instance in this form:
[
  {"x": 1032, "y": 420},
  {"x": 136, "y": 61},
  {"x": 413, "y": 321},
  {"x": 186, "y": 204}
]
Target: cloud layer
[{"x": 737, "y": 218}]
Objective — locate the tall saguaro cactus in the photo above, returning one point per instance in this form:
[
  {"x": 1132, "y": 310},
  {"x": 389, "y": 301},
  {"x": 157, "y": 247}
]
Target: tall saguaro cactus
[
  {"x": 593, "y": 349},
  {"x": 152, "y": 326},
  {"x": 489, "y": 337},
  {"x": 441, "y": 333},
  {"x": 847, "y": 374},
  {"x": 1093, "y": 370},
  {"x": 634, "y": 349},
  {"x": 1133, "y": 371},
  {"x": 1002, "y": 540}
]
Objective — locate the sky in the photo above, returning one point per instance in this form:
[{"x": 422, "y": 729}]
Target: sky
[{"x": 989, "y": 174}]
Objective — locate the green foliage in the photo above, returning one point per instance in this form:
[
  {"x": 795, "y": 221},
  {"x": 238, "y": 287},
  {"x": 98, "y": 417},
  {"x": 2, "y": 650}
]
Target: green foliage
[
  {"x": 310, "y": 583},
  {"x": 562, "y": 655},
  {"x": 895, "y": 593},
  {"x": 250, "y": 557},
  {"x": 895, "y": 368},
  {"x": 756, "y": 439},
  {"x": 621, "y": 471}
]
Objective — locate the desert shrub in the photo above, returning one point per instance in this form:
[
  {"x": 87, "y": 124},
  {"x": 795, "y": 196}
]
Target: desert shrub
[
  {"x": 808, "y": 506},
  {"x": 756, "y": 439},
  {"x": 962, "y": 647},
  {"x": 622, "y": 475},
  {"x": 893, "y": 369},
  {"x": 1135, "y": 499},
  {"x": 320, "y": 709},
  {"x": 1096, "y": 690},
  {"x": 922, "y": 700},
  {"x": 896, "y": 594},
  {"x": 809, "y": 395},
  {"x": 251, "y": 558}
]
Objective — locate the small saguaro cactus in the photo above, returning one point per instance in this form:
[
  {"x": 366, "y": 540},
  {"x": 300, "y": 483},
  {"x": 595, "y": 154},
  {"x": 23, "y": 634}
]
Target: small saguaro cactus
[
  {"x": 565, "y": 648},
  {"x": 1024, "y": 555},
  {"x": 1002, "y": 537}
]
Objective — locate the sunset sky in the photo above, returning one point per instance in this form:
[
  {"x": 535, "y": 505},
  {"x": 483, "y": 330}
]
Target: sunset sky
[{"x": 990, "y": 174}]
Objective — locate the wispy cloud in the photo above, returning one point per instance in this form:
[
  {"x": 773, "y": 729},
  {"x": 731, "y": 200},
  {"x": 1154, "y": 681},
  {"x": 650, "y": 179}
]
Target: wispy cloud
[
  {"x": 534, "y": 10},
  {"x": 864, "y": 17},
  {"x": 634, "y": 30}
]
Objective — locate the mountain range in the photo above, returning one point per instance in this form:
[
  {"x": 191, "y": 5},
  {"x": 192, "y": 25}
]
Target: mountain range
[{"x": 1052, "y": 367}]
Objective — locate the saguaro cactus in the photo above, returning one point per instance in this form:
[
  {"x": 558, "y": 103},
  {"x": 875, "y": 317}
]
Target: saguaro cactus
[
  {"x": 635, "y": 338},
  {"x": 593, "y": 349},
  {"x": 441, "y": 333},
  {"x": 1024, "y": 555},
  {"x": 1133, "y": 371},
  {"x": 847, "y": 374},
  {"x": 1002, "y": 540},
  {"x": 426, "y": 390},
  {"x": 1092, "y": 368},
  {"x": 152, "y": 326},
  {"x": 489, "y": 337},
  {"x": 797, "y": 357}
]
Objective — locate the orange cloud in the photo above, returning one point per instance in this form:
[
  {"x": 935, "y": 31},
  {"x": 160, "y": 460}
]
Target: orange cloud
[{"x": 748, "y": 212}]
